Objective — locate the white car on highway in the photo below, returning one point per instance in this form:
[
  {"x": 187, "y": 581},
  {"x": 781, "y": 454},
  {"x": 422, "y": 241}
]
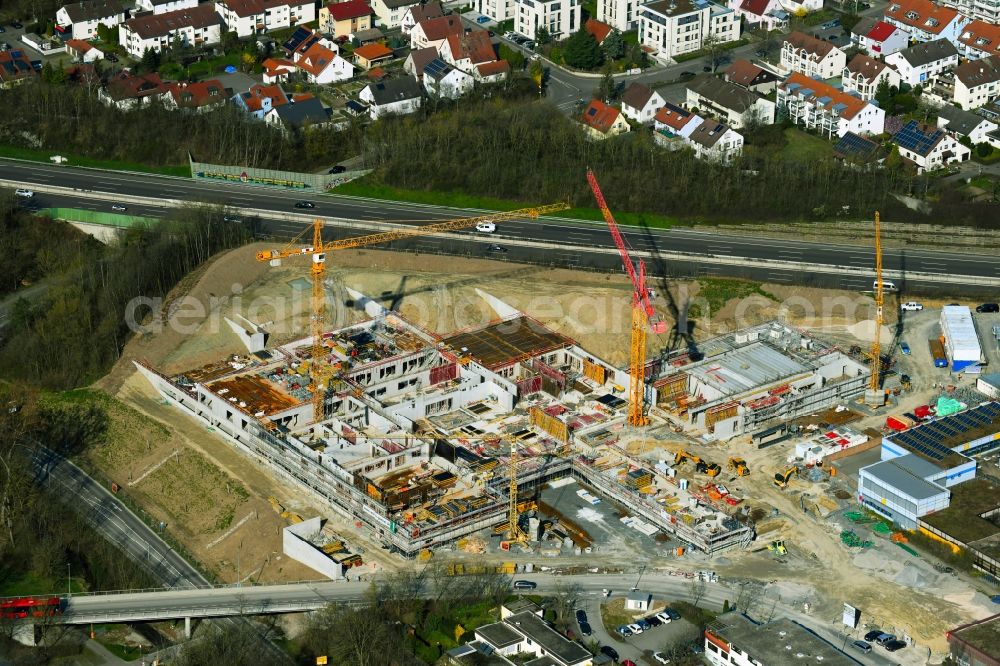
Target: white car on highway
[
  {"x": 22, "y": 192},
  {"x": 486, "y": 227},
  {"x": 911, "y": 306}
]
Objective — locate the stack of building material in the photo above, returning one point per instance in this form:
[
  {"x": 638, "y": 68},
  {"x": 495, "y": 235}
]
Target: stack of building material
[
  {"x": 443, "y": 479},
  {"x": 638, "y": 478}
]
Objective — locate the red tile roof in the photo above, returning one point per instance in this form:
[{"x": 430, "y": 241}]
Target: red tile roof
[
  {"x": 600, "y": 116},
  {"x": 867, "y": 67},
  {"x": 373, "y": 52},
  {"x": 277, "y": 64},
  {"x": 125, "y": 85},
  {"x": 674, "y": 117},
  {"x": 598, "y": 30},
  {"x": 743, "y": 72},
  {"x": 149, "y": 26},
  {"x": 923, "y": 14},
  {"x": 979, "y": 72},
  {"x": 316, "y": 59},
  {"x": 820, "y": 90},
  {"x": 493, "y": 68},
  {"x": 426, "y": 11},
  {"x": 15, "y": 68},
  {"x": 376, "y": 74},
  {"x": 475, "y": 46},
  {"x": 757, "y": 7},
  {"x": 78, "y": 45},
  {"x": 440, "y": 28},
  {"x": 981, "y": 36},
  {"x": 637, "y": 95},
  {"x": 254, "y": 97},
  {"x": 343, "y": 11},
  {"x": 201, "y": 93},
  {"x": 881, "y": 31},
  {"x": 810, "y": 44}
]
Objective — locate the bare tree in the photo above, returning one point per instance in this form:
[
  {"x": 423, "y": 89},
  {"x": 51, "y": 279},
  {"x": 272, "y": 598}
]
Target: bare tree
[{"x": 698, "y": 589}]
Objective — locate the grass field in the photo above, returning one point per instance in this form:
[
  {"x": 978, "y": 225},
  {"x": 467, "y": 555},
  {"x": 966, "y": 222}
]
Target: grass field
[
  {"x": 805, "y": 147},
  {"x": 718, "y": 292},
  {"x": 36, "y": 155}
]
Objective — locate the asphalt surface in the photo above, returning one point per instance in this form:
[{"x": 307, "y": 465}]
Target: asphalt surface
[{"x": 548, "y": 241}]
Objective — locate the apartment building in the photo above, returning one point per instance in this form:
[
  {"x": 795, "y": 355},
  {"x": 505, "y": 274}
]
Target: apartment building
[
  {"x": 863, "y": 75},
  {"x": 925, "y": 20},
  {"x": 977, "y": 82},
  {"x": 979, "y": 40},
  {"x": 80, "y": 19},
  {"x": 675, "y": 27},
  {"x": 250, "y": 17},
  {"x": 498, "y": 10},
  {"x": 817, "y": 105},
  {"x": 736, "y": 640},
  {"x": 922, "y": 63},
  {"x": 813, "y": 57},
  {"x": 619, "y": 14},
  {"x": 560, "y": 17},
  {"x": 197, "y": 26},
  {"x": 734, "y": 105},
  {"x": 390, "y": 13},
  {"x": 982, "y": 10}
]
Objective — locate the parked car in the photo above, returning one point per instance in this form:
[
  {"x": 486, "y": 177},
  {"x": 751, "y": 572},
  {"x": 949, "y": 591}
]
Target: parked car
[
  {"x": 635, "y": 628},
  {"x": 581, "y": 615},
  {"x": 235, "y": 219},
  {"x": 663, "y": 617},
  {"x": 862, "y": 646},
  {"x": 491, "y": 33},
  {"x": 628, "y": 662},
  {"x": 483, "y": 19},
  {"x": 884, "y": 638},
  {"x": 120, "y": 208},
  {"x": 111, "y": 57},
  {"x": 5, "y": 47},
  {"x": 304, "y": 204},
  {"x": 873, "y": 634},
  {"x": 706, "y": 68},
  {"x": 525, "y": 585},
  {"x": 653, "y": 621},
  {"x": 585, "y": 629},
  {"x": 688, "y": 75},
  {"x": 911, "y": 306},
  {"x": 894, "y": 645},
  {"x": 905, "y": 348},
  {"x": 624, "y": 631},
  {"x": 338, "y": 169},
  {"x": 3, "y": 29},
  {"x": 644, "y": 625},
  {"x": 609, "y": 652},
  {"x": 17, "y": 25},
  {"x": 24, "y": 193},
  {"x": 672, "y": 614},
  {"x": 486, "y": 227},
  {"x": 529, "y": 44},
  {"x": 660, "y": 657},
  {"x": 496, "y": 249},
  {"x": 988, "y": 307}
]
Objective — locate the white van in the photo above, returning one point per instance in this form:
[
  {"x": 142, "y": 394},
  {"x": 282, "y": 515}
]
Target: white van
[
  {"x": 887, "y": 285},
  {"x": 486, "y": 227}
]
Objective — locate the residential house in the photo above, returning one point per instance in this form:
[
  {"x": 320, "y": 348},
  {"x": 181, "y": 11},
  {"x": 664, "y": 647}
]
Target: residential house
[
  {"x": 856, "y": 149},
  {"x": 369, "y": 36},
  {"x": 82, "y": 51},
  {"x": 923, "y": 62},
  {"x": 977, "y": 82},
  {"x": 929, "y": 148},
  {"x": 763, "y": 14},
  {"x": 676, "y": 121},
  {"x": 602, "y": 121},
  {"x": 830, "y": 111},
  {"x": 526, "y": 632},
  {"x": 674, "y": 27},
  {"x": 128, "y": 91},
  {"x": 981, "y": 10},
  {"x": 443, "y": 80},
  {"x": 260, "y": 99},
  {"x": 389, "y": 13},
  {"x": 417, "y": 60},
  {"x": 250, "y": 17},
  {"x": 300, "y": 111},
  {"x": 163, "y": 6},
  {"x": 320, "y": 61},
  {"x": 964, "y": 123},
  {"x": 434, "y": 31},
  {"x": 198, "y": 26},
  {"x": 864, "y": 74},
  {"x": 492, "y": 72},
  {"x": 199, "y": 96},
  {"x": 80, "y": 19},
  {"x": 926, "y": 21},
  {"x": 878, "y": 38},
  {"x": 391, "y": 97},
  {"x": 618, "y": 14},
  {"x": 498, "y": 10},
  {"x": 561, "y": 18},
  {"x": 979, "y": 39},
  {"x": 753, "y": 77},
  {"x": 370, "y": 55},
  {"x": 640, "y": 103},
  {"x": 813, "y": 57},
  {"x": 733, "y": 104},
  {"x": 598, "y": 30},
  {"x": 715, "y": 141},
  {"x": 277, "y": 70},
  {"x": 468, "y": 50},
  {"x": 637, "y": 600},
  {"x": 341, "y": 19},
  {"x": 15, "y": 68},
  {"x": 418, "y": 13}
]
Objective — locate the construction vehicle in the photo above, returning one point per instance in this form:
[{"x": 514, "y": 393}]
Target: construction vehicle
[
  {"x": 320, "y": 372},
  {"x": 707, "y": 468},
  {"x": 777, "y": 547},
  {"x": 781, "y": 478},
  {"x": 739, "y": 466},
  {"x": 682, "y": 457},
  {"x": 643, "y": 314}
]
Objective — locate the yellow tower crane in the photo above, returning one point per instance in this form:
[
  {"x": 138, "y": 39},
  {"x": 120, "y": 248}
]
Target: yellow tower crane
[
  {"x": 874, "y": 397},
  {"x": 319, "y": 370}
]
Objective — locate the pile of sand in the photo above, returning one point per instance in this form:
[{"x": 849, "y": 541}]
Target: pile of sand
[{"x": 865, "y": 330}]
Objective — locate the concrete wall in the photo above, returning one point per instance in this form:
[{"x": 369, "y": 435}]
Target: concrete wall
[{"x": 295, "y": 546}]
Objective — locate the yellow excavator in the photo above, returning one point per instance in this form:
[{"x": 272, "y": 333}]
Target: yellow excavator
[
  {"x": 739, "y": 466},
  {"x": 682, "y": 457},
  {"x": 781, "y": 478}
]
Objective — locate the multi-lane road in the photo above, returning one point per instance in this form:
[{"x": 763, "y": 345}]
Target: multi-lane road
[{"x": 680, "y": 252}]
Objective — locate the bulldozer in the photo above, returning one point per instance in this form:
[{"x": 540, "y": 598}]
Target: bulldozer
[
  {"x": 781, "y": 478},
  {"x": 682, "y": 457},
  {"x": 707, "y": 468},
  {"x": 739, "y": 466}
]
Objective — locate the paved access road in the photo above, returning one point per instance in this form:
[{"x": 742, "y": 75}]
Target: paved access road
[{"x": 681, "y": 252}]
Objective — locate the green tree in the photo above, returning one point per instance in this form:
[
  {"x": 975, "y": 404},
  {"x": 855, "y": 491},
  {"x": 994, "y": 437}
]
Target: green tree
[
  {"x": 515, "y": 58},
  {"x": 614, "y": 45},
  {"x": 150, "y": 60},
  {"x": 606, "y": 88},
  {"x": 893, "y": 160},
  {"x": 637, "y": 57},
  {"x": 983, "y": 149},
  {"x": 230, "y": 41},
  {"x": 582, "y": 51},
  {"x": 537, "y": 72},
  {"x": 107, "y": 34},
  {"x": 542, "y": 36}
]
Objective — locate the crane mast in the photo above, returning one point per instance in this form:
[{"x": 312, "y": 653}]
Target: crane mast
[
  {"x": 643, "y": 314},
  {"x": 874, "y": 397}
]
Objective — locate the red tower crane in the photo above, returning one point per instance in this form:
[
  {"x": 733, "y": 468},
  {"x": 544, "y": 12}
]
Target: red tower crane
[{"x": 643, "y": 314}]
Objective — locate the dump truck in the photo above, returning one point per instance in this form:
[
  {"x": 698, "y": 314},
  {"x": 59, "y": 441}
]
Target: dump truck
[{"x": 937, "y": 353}]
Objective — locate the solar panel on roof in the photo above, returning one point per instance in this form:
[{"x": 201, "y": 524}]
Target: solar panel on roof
[
  {"x": 793, "y": 86},
  {"x": 839, "y": 107},
  {"x": 808, "y": 91},
  {"x": 825, "y": 99}
]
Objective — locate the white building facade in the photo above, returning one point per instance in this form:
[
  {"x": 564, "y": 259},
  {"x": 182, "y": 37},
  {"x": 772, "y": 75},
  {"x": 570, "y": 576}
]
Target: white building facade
[
  {"x": 560, "y": 17},
  {"x": 199, "y": 26},
  {"x": 247, "y": 18},
  {"x": 676, "y": 28},
  {"x": 810, "y": 56}
]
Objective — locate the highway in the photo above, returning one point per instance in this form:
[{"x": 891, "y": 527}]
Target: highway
[{"x": 679, "y": 252}]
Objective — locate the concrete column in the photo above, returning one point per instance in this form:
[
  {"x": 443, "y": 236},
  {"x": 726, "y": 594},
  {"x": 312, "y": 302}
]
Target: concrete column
[{"x": 187, "y": 627}]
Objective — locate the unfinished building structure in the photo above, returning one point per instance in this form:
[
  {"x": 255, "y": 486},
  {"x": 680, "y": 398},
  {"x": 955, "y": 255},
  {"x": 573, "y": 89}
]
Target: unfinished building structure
[
  {"x": 745, "y": 381},
  {"x": 415, "y": 437}
]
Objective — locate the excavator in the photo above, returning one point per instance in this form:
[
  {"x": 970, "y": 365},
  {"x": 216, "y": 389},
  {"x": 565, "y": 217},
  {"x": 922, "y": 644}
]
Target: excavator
[
  {"x": 739, "y": 466},
  {"x": 708, "y": 468},
  {"x": 682, "y": 457},
  {"x": 781, "y": 478}
]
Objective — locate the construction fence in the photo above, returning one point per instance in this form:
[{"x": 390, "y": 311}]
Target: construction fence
[
  {"x": 97, "y": 217},
  {"x": 290, "y": 180}
]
